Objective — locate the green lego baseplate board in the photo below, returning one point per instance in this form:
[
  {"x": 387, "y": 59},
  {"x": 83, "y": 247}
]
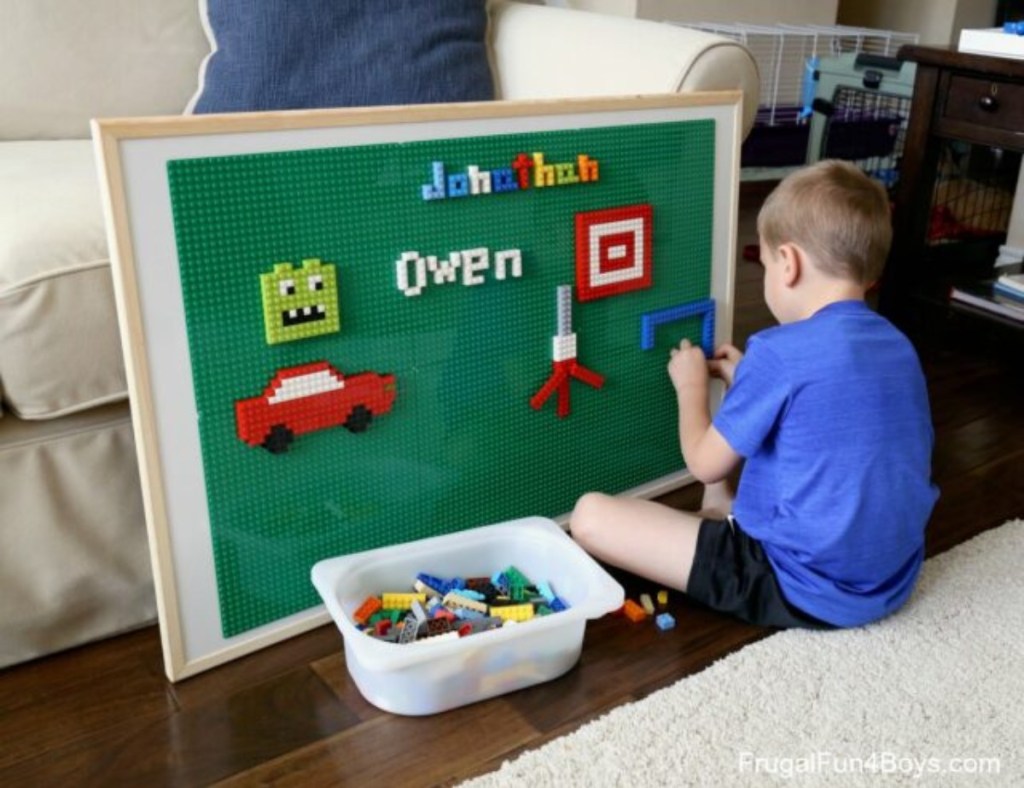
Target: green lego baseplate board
[{"x": 439, "y": 263}]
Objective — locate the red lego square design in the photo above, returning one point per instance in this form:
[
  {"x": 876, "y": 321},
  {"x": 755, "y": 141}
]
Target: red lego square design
[
  {"x": 613, "y": 251},
  {"x": 616, "y": 252}
]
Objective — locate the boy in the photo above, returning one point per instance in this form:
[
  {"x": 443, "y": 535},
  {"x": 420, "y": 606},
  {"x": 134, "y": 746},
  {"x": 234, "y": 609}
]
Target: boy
[{"x": 829, "y": 410}]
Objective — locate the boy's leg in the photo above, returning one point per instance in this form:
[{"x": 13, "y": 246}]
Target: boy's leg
[{"x": 642, "y": 537}]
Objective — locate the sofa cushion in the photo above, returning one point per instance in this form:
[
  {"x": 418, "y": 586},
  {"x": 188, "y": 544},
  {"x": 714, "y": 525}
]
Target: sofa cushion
[
  {"x": 73, "y": 552},
  {"x": 289, "y": 54},
  {"x": 65, "y": 62},
  {"x": 59, "y": 344}
]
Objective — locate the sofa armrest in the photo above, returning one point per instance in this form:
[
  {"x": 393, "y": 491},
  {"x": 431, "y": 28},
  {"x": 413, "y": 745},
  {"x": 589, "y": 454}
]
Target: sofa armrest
[{"x": 547, "y": 52}]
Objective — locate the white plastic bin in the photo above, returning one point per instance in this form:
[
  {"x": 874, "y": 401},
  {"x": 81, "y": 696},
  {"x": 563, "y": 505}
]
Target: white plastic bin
[{"x": 426, "y": 677}]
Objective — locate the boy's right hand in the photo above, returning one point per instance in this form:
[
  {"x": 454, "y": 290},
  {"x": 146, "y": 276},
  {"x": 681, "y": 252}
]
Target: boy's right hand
[{"x": 723, "y": 363}]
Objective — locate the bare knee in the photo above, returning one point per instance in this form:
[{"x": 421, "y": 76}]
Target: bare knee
[{"x": 588, "y": 516}]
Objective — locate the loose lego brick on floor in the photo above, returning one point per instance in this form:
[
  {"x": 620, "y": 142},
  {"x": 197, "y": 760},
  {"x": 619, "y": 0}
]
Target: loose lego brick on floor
[
  {"x": 633, "y": 611},
  {"x": 664, "y": 621}
]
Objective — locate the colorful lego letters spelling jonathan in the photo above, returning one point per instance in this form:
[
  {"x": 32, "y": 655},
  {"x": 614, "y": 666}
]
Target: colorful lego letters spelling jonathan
[
  {"x": 299, "y": 303},
  {"x": 525, "y": 172}
]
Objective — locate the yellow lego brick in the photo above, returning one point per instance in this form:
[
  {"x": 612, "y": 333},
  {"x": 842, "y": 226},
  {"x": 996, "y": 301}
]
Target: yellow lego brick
[
  {"x": 401, "y": 601},
  {"x": 513, "y": 612}
]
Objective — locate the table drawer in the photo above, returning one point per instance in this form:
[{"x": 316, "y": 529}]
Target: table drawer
[{"x": 985, "y": 102}]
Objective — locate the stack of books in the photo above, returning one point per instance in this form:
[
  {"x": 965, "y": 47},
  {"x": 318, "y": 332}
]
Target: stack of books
[{"x": 1002, "y": 296}]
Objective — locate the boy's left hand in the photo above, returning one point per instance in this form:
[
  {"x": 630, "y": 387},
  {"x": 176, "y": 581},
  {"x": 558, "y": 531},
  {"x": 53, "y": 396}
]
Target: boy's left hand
[{"x": 688, "y": 368}]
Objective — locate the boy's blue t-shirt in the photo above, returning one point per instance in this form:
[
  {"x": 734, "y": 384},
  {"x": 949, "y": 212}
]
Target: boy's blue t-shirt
[{"x": 831, "y": 414}]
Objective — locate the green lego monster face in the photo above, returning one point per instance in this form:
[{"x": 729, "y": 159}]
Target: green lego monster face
[{"x": 302, "y": 303}]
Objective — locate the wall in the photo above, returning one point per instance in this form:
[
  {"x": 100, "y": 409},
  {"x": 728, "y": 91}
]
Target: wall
[
  {"x": 794, "y": 12},
  {"x": 936, "y": 21},
  {"x": 614, "y": 7},
  {"x": 618, "y": 7}
]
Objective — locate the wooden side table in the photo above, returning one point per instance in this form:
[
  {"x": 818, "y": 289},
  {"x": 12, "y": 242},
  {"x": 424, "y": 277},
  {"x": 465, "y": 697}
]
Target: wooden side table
[{"x": 957, "y": 96}]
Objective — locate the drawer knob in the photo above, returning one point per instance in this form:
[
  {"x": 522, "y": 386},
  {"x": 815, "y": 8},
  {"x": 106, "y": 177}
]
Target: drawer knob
[{"x": 988, "y": 103}]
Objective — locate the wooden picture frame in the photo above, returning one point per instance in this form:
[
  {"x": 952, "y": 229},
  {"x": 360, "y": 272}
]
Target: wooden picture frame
[{"x": 161, "y": 192}]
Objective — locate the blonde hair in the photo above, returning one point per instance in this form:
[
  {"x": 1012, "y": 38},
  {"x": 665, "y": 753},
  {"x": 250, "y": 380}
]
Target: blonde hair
[{"x": 837, "y": 214}]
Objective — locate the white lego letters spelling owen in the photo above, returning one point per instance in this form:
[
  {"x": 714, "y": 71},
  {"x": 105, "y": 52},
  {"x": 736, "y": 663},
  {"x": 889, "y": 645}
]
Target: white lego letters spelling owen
[{"x": 415, "y": 271}]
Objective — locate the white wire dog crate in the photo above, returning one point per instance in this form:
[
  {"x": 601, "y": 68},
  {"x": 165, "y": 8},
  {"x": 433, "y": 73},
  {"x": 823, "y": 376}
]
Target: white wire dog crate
[{"x": 787, "y": 57}]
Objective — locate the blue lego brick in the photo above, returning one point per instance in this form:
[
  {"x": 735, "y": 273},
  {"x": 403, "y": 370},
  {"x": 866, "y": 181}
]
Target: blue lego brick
[
  {"x": 432, "y": 582},
  {"x": 704, "y": 309},
  {"x": 664, "y": 621}
]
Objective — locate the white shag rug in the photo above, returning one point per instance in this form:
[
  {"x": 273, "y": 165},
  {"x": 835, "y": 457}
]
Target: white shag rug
[{"x": 931, "y": 696}]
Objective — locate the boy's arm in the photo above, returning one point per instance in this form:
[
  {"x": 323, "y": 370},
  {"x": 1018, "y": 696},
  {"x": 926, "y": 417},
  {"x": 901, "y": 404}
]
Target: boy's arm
[{"x": 708, "y": 455}]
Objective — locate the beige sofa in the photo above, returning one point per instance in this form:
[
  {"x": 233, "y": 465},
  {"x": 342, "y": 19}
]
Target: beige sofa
[{"x": 74, "y": 564}]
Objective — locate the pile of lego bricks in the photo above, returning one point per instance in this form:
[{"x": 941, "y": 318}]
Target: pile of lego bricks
[{"x": 455, "y": 607}]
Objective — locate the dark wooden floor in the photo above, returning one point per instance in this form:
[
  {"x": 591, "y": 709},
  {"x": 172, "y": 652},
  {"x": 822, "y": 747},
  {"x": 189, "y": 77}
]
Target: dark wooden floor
[{"x": 104, "y": 715}]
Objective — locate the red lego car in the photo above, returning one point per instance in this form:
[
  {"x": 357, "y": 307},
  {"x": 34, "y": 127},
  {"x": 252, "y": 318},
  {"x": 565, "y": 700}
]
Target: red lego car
[{"x": 312, "y": 397}]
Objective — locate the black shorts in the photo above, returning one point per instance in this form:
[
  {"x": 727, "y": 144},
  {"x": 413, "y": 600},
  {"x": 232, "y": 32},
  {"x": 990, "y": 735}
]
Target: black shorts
[{"x": 732, "y": 574}]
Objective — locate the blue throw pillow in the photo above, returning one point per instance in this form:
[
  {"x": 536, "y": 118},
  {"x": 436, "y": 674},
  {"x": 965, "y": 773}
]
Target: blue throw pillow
[{"x": 301, "y": 54}]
